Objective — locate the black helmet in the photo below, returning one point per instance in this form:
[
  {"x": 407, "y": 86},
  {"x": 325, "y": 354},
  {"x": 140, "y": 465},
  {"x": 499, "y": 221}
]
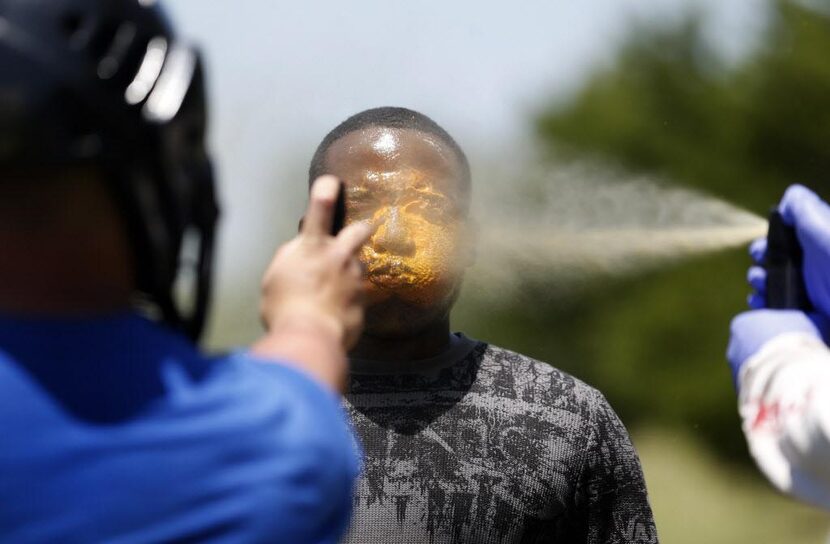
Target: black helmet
[{"x": 107, "y": 82}]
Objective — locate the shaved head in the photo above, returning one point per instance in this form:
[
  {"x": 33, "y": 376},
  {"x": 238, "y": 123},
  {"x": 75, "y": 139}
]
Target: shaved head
[{"x": 393, "y": 118}]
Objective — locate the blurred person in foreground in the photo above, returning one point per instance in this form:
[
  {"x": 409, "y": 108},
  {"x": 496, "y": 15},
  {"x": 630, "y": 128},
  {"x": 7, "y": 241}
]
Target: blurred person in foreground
[
  {"x": 781, "y": 363},
  {"x": 115, "y": 427},
  {"x": 464, "y": 441}
]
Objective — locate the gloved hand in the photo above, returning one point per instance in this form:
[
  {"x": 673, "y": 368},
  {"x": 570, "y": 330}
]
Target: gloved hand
[
  {"x": 810, "y": 216},
  {"x": 757, "y": 275},
  {"x": 804, "y": 210},
  {"x": 751, "y": 330}
]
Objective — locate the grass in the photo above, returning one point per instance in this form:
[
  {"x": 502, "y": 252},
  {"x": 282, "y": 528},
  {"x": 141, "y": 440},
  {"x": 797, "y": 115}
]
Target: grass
[{"x": 699, "y": 499}]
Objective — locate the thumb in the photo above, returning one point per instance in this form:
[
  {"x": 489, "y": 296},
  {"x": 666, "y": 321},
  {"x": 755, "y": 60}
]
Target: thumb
[{"x": 803, "y": 209}]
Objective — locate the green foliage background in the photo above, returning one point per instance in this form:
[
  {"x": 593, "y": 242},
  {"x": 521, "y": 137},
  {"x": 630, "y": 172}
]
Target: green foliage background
[{"x": 669, "y": 106}]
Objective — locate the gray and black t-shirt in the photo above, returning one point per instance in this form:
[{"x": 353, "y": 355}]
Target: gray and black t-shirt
[{"x": 483, "y": 445}]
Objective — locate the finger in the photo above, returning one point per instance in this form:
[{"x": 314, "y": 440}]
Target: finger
[
  {"x": 359, "y": 297},
  {"x": 354, "y": 268},
  {"x": 758, "y": 250},
  {"x": 352, "y": 238},
  {"x": 793, "y": 198},
  {"x": 319, "y": 216},
  {"x": 279, "y": 254},
  {"x": 756, "y": 301},
  {"x": 757, "y": 278},
  {"x": 354, "y": 319},
  {"x": 799, "y": 203}
]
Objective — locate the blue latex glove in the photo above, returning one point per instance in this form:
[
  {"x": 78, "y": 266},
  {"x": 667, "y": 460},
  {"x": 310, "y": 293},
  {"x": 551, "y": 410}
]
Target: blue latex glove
[
  {"x": 757, "y": 275},
  {"x": 810, "y": 216},
  {"x": 803, "y": 209},
  {"x": 751, "y": 330}
]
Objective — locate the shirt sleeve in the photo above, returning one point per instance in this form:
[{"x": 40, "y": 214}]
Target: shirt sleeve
[
  {"x": 612, "y": 486},
  {"x": 317, "y": 451},
  {"x": 785, "y": 412}
]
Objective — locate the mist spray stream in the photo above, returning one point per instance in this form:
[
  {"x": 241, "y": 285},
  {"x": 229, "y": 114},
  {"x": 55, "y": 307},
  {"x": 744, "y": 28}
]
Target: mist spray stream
[{"x": 581, "y": 223}]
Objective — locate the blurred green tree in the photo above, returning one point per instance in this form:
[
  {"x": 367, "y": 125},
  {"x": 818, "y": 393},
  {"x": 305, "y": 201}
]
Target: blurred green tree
[{"x": 669, "y": 106}]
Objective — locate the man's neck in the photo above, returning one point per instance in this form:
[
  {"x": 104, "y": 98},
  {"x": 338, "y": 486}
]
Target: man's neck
[
  {"x": 68, "y": 299},
  {"x": 65, "y": 275},
  {"x": 64, "y": 246},
  {"x": 424, "y": 344}
]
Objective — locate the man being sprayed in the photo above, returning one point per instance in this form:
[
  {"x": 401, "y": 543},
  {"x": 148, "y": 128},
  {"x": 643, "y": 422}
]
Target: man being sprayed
[
  {"x": 114, "y": 426},
  {"x": 781, "y": 363},
  {"x": 464, "y": 441}
]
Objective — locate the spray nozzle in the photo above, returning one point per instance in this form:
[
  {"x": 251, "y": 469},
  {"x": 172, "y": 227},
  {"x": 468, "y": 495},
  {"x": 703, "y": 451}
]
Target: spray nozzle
[{"x": 783, "y": 263}]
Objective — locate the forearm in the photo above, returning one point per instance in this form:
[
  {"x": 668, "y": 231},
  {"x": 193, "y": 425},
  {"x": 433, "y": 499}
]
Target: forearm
[
  {"x": 311, "y": 345},
  {"x": 785, "y": 408},
  {"x": 312, "y": 303}
]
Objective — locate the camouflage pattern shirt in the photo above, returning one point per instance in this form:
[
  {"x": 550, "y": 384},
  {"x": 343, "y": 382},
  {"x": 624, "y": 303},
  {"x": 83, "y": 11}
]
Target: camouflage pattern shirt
[{"x": 483, "y": 445}]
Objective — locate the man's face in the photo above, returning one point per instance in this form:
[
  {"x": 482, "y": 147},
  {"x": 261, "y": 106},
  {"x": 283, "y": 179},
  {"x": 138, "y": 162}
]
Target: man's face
[{"x": 407, "y": 184}]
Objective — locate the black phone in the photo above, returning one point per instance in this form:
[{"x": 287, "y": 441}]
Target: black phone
[{"x": 339, "y": 210}]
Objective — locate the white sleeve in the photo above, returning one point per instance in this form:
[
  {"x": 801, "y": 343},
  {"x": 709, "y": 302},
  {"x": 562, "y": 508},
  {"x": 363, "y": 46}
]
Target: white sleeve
[{"x": 784, "y": 405}]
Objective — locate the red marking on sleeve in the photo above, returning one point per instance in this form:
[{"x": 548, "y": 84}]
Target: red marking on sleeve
[
  {"x": 766, "y": 414},
  {"x": 769, "y": 413}
]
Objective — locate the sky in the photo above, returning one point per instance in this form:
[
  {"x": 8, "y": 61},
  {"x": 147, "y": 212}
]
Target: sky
[{"x": 282, "y": 74}]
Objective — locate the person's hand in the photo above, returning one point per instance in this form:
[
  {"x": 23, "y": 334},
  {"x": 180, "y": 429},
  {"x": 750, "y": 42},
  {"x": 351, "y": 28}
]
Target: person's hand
[
  {"x": 803, "y": 209},
  {"x": 757, "y": 275},
  {"x": 751, "y": 330},
  {"x": 312, "y": 292},
  {"x": 316, "y": 277},
  {"x": 810, "y": 216}
]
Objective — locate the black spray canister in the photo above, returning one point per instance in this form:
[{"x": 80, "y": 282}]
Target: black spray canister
[{"x": 783, "y": 263}]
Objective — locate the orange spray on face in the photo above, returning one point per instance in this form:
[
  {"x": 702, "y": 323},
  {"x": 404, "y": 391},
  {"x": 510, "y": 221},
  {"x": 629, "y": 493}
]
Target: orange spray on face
[{"x": 407, "y": 184}]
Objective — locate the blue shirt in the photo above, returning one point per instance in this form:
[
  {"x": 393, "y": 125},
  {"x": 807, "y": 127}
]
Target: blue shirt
[{"x": 118, "y": 430}]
